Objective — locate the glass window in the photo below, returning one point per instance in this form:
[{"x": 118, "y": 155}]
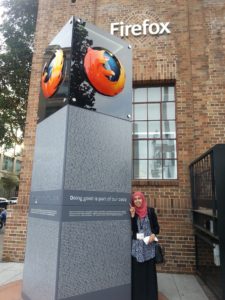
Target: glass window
[
  {"x": 153, "y": 111},
  {"x": 140, "y": 169},
  {"x": 168, "y": 93},
  {"x": 154, "y": 149},
  {"x": 168, "y": 111},
  {"x": 140, "y": 111},
  {"x": 169, "y": 149},
  {"x": 140, "y": 129},
  {"x": 169, "y": 169},
  {"x": 154, "y": 94},
  {"x": 140, "y": 149},
  {"x": 155, "y": 169},
  {"x": 18, "y": 166},
  {"x": 154, "y": 133},
  {"x": 140, "y": 95},
  {"x": 7, "y": 164},
  {"x": 168, "y": 129}
]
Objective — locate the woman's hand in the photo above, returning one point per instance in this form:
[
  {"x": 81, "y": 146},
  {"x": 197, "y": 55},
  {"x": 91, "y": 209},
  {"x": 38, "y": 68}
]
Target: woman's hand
[
  {"x": 151, "y": 238},
  {"x": 132, "y": 211}
]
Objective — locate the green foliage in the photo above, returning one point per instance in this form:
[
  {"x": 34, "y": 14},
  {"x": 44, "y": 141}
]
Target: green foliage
[{"x": 15, "y": 64}]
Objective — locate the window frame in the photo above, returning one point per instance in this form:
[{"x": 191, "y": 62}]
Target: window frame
[{"x": 161, "y": 137}]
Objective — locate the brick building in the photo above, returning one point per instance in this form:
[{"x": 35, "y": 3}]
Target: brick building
[
  {"x": 10, "y": 161},
  {"x": 179, "y": 82}
]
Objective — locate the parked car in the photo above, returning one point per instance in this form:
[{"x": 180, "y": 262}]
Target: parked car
[
  {"x": 3, "y": 202},
  {"x": 13, "y": 200}
]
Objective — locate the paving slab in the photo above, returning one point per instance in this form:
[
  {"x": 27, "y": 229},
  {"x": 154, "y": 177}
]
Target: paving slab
[
  {"x": 167, "y": 286},
  {"x": 180, "y": 287},
  {"x": 10, "y": 272},
  {"x": 188, "y": 287},
  {"x": 171, "y": 286},
  {"x": 12, "y": 291}
]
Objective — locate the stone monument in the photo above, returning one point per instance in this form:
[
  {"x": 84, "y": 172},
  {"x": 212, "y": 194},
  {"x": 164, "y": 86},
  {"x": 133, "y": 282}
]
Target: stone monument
[{"x": 79, "y": 235}]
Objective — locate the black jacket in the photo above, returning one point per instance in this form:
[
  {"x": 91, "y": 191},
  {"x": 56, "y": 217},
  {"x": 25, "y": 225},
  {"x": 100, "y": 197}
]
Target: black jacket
[{"x": 153, "y": 222}]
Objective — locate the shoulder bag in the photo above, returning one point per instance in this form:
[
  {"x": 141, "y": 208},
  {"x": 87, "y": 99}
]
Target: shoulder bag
[{"x": 159, "y": 253}]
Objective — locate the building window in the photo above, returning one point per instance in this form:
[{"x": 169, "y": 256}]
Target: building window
[
  {"x": 154, "y": 133},
  {"x": 7, "y": 164},
  {"x": 18, "y": 166}
]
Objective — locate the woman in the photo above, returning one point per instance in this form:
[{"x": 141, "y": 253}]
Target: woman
[{"x": 144, "y": 225}]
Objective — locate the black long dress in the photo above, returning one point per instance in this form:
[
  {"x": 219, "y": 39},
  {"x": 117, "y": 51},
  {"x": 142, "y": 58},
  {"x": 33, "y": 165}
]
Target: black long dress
[
  {"x": 144, "y": 277},
  {"x": 144, "y": 280}
]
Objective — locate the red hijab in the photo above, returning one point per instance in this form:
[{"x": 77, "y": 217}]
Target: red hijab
[{"x": 142, "y": 210}]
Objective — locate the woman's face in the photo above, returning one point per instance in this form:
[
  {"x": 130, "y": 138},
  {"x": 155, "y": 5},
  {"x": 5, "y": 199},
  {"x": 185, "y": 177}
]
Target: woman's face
[{"x": 137, "y": 201}]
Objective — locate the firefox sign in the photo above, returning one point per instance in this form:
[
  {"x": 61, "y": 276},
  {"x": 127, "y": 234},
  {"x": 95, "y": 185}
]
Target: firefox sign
[{"x": 104, "y": 71}]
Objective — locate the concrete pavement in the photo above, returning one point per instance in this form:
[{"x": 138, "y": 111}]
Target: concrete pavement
[
  {"x": 173, "y": 286},
  {"x": 10, "y": 272}
]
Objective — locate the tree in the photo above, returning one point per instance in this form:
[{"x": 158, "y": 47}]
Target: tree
[
  {"x": 9, "y": 183},
  {"x": 16, "y": 50}
]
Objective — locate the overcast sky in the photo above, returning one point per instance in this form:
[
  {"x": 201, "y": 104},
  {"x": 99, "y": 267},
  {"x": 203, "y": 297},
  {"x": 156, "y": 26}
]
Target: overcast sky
[{"x": 1, "y": 11}]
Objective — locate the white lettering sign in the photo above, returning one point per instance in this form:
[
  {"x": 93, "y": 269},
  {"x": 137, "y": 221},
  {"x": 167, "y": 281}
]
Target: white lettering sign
[{"x": 145, "y": 28}]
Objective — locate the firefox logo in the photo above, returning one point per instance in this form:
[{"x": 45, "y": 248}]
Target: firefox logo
[
  {"x": 52, "y": 74},
  {"x": 104, "y": 71}
]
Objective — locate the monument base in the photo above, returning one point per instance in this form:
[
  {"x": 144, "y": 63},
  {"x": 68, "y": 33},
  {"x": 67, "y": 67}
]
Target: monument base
[{"x": 79, "y": 231}]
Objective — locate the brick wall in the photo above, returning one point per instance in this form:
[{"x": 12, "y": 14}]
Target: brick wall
[
  {"x": 192, "y": 56},
  {"x": 15, "y": 235}
]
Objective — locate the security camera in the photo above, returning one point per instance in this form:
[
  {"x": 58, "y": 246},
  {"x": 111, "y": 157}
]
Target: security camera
[{"x": 73, "y": 1}]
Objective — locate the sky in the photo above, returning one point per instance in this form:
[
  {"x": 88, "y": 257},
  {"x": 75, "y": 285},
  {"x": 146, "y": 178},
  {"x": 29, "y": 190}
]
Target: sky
[{"x": 1, "y": 11}]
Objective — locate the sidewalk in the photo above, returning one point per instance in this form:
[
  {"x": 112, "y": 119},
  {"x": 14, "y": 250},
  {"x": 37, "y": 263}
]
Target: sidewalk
[
  {"x": 10, "y": 272},
  {"x": 172, "y": 286}
]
